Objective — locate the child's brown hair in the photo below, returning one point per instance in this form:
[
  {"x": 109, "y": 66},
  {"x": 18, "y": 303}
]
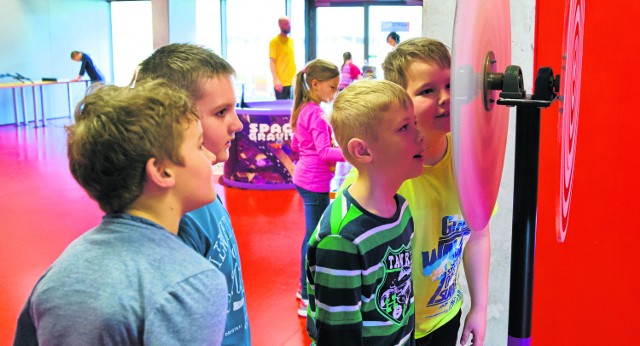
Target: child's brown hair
[{"x": 117, "y": 130}]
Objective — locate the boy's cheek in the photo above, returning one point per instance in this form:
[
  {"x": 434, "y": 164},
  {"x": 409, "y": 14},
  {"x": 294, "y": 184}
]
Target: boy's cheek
[
  {"x": 423, "y": 128},
  {"x": 423, "y": 118}
]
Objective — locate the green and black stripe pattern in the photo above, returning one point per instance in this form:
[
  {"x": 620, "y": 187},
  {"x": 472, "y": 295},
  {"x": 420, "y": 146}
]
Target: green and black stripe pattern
[{"x": 359, "y": 276}]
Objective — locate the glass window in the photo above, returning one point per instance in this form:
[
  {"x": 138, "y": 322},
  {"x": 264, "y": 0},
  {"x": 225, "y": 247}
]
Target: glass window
[
  {"x": 208, "y": 24},
  {"x": 298, "y": 31},
  {"x": 341, "y": 29},
  {"x": 132, "y": 37},
  {"x": 404, "y": 20},
  {"x": 251, "y": 24}
]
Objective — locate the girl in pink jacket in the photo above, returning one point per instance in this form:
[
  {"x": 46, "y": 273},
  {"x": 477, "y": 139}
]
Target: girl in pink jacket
[{"x": 316, "y": 83}]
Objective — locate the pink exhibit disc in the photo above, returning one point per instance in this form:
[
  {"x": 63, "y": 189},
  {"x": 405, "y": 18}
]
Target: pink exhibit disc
[
  {"x": 569, "y": 109},
  {"x": 479, "y": 134}
]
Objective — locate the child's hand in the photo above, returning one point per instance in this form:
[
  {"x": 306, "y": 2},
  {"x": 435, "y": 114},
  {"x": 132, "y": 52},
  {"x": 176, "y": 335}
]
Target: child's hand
[{"x": 476, "y": 324}]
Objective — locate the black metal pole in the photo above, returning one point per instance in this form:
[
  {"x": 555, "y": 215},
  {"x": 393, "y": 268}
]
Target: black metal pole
[{"x": 525, "y": 202}]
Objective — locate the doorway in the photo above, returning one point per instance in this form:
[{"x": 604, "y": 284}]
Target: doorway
[{"x": 362, "y": 30}]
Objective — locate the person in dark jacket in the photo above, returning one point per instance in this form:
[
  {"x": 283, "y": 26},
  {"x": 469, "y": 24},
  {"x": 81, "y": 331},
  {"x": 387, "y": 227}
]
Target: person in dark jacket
[{"x": 87, "y": 66}]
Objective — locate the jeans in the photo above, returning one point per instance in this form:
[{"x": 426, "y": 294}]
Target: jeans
[{"x": 314, "y": 205}]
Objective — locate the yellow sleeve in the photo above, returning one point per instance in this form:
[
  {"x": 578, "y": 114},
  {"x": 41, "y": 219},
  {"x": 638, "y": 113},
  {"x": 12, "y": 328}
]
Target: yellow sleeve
[{"x": 272, "y": 49}]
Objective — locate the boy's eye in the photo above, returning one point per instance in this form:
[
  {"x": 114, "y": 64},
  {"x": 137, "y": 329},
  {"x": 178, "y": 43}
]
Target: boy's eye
[
  {"x": 404, "y": 127},
  {"x": 221, "y": 112},
  {"x": 426, "y": 92}
]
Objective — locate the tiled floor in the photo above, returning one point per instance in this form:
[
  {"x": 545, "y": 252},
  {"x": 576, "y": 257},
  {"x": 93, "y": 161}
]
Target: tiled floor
[{"x": 42, "y": 210}]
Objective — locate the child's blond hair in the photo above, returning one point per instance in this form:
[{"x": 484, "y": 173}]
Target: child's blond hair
[
  {"x": 117, "y": 130},
  {"x": 423, "y": 49},
  {"x": 358, "y": 110}
]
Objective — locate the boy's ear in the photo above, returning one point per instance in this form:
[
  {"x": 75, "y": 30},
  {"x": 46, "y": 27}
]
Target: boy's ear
[
  {"x": 359, "y": 150},
  {"x": 159, "y": 173}
]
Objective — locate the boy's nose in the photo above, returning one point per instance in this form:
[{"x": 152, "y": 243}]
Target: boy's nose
[
  {"x": 419, "y": 136},
  {"x": 445, "y": 96},
  {"x": 236, "y": 125}
]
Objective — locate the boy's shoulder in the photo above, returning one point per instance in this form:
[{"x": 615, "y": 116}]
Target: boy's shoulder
[
  {"x": 135, "y": 257},
  {"x": 347, "y": 218},
  {"x": 125, "y": 245}
]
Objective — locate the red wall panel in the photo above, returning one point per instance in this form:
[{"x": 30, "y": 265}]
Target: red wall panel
[{"x": 587, "y": 289}]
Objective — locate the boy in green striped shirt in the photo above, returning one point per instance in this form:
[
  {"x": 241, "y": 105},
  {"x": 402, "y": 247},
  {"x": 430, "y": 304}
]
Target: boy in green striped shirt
[{"x": 359, "y": 257}]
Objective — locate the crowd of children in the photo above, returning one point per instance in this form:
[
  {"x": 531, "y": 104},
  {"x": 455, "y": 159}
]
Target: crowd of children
[{"x": 379, "y": 264}]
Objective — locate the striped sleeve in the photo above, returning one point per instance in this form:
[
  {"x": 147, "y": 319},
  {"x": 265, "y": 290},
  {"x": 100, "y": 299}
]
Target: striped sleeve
[
  {"x": 359, "y": 276},
  {"x": 337, "y": 292},
  {"x": 334, "y": 274}
]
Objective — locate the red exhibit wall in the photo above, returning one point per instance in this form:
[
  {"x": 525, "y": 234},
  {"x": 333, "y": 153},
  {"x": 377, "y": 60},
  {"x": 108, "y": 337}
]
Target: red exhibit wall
[{"x": 587, "y": 289}]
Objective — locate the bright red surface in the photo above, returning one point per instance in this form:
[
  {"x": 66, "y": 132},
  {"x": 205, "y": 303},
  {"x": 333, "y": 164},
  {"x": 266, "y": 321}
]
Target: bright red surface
[
  {"x": 43, "y": 209},
  {"x": 586, "y": 289}
]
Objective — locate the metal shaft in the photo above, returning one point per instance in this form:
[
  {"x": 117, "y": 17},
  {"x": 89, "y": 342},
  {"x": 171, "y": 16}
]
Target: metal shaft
[{"x": 525, "y": 202}]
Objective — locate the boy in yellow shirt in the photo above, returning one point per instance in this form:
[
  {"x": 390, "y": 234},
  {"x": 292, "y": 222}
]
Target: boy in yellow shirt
[{"x": 442, "y": 239}]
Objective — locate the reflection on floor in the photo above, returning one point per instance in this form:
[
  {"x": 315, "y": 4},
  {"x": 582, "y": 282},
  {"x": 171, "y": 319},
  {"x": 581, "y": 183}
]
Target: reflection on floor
[{"x": 43, "y": 209}]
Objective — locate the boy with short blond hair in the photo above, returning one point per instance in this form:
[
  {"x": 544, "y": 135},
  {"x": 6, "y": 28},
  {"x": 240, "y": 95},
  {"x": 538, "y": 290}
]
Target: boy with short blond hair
[
  {"x": 443, "y": 240},
  {"x": 138, "y": 153},
  {"x": 359, "y": 257}
]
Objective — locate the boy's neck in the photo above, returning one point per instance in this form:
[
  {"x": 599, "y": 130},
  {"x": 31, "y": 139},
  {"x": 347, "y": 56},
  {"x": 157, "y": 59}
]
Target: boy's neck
[
  {"x": 158, "y": 210},
  {"x": 434, "y": 150},
  {"x": 375, "y": 194}
]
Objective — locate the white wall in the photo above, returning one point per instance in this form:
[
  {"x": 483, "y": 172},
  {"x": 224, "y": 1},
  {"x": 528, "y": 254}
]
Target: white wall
[
  {"x": 37, "y": 37},
  {"x": 438, "y": 23}
]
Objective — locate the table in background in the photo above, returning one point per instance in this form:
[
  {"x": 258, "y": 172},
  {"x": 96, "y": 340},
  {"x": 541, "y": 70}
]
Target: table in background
[{"x": 39, "y": 85}]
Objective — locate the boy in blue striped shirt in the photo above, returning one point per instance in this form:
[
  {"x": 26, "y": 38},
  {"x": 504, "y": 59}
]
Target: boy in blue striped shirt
[{"x": 359, "y": 258}]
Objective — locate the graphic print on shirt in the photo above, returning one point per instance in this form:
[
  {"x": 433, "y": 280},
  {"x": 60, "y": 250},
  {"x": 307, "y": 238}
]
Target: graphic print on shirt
[
  {"x": 441, "y": 264},
  {"x": 395, "y": 291},
  {"x": 222, "y": 252}
]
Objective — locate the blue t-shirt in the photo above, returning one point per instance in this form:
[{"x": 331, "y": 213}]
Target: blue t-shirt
[
  {"x": 208, "y": 231},
  {"x": 128, "y": 281}
]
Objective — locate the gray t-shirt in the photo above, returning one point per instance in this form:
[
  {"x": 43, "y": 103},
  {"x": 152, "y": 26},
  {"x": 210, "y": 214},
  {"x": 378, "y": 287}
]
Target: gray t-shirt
[{"x": 128, "y": 281}]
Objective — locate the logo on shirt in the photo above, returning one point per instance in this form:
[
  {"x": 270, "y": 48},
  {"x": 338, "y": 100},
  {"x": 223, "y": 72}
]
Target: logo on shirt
[
  {"x": 224, "y": 256},
  {"x": 441, "y": 264},
  {"x": 395, "y": 291}
]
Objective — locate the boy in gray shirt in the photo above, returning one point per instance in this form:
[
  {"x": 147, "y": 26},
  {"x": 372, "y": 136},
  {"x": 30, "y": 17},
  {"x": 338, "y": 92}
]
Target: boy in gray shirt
[{"x": 138, "y": 152}]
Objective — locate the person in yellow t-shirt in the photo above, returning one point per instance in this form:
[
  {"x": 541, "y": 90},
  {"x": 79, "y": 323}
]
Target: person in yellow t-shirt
[
  {"x": 282, "y": 60},
  {"x": 442, "y": 239}
]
